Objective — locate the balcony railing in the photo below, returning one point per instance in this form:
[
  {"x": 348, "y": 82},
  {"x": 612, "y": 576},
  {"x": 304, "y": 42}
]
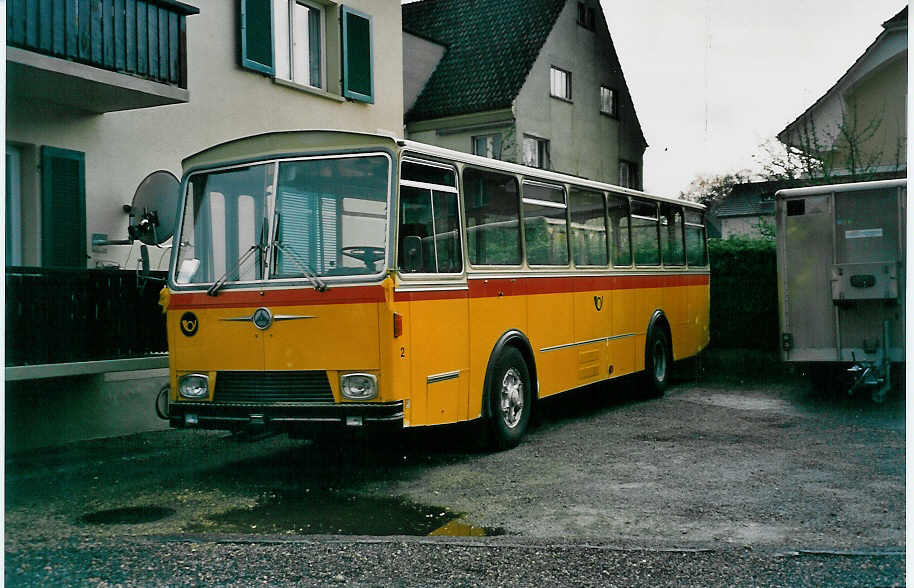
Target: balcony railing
[
  {"x": 59, "y": 316},
  {"x": 144, "y": 38}
]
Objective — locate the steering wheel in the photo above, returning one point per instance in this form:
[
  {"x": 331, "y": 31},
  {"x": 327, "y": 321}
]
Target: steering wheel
[{"x": 367, "y": 255}]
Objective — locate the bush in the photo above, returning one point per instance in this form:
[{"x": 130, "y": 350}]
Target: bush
[{"x": 744, "y": 294}]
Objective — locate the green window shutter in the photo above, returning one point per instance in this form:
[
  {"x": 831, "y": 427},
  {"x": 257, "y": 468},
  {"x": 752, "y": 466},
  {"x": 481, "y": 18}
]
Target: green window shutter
[
  {"x": 63, "y": 208},
  {"x": 358, "y": 80},
  {"x": 257, "y": 35}
]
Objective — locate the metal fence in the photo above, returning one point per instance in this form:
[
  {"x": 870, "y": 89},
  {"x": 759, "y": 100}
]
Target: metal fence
[{"x": 58, "y": 316}]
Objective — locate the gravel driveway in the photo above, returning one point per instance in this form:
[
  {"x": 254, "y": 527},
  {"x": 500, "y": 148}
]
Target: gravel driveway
[{"x": 722, "y": 482}]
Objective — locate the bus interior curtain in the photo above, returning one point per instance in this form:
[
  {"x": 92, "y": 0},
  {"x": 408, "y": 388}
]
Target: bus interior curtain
[{"x": 308, "y": 226}]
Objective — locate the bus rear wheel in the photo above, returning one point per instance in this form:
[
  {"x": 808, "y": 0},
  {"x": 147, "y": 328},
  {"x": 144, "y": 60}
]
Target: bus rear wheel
[
  {"x": 657, "y": 362},
  {"x": 510, "y": 398}
]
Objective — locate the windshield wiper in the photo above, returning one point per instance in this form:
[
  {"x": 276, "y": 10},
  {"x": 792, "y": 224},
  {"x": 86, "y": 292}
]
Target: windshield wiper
[
  {"x": 305, "y": 269},
  {"x": 217, "y": 285}
]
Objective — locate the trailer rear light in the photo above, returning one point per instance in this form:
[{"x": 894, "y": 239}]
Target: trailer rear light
[{"x": 398, "y": 325}]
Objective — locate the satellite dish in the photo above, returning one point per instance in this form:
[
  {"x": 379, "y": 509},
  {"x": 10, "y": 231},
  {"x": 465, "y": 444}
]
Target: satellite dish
[{"x": 155, "y": 208}]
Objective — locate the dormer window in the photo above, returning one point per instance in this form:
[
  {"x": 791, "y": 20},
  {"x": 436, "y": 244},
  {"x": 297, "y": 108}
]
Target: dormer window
[{"x": 586, "y": 16}]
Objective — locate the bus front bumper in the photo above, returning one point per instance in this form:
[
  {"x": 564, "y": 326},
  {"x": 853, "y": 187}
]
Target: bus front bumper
[{"x": 289, "y": 418}]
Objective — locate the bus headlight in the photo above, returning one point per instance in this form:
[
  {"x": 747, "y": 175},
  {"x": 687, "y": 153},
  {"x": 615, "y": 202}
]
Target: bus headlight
[
  {"x": 359, "y": 386},
  {"x": 193, "y": 386}
]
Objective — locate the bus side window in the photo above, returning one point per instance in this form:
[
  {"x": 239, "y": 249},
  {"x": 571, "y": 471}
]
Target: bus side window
[
  {"x": 416, "y": 249},
  {"x": 696, "y": 248},
  {"x": 671, "y": 239},
  {"x": 645, "y": 236},
  {"x": 492, "y": 208},
  {"x": 618, "y": 211},
  {"x": 429, "y": 236},
  {"x": 545, "y": 224},
  {"x": 588, "y": 227}
]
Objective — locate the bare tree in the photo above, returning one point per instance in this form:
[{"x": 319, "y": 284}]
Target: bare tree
[
  {"x": 708, "y": 190},
  {"x": 849, "y": 151}
]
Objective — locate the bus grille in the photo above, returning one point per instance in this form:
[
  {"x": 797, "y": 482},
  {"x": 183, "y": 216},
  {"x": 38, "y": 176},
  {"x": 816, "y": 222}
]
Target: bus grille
[{"x": 272, "y": 387}]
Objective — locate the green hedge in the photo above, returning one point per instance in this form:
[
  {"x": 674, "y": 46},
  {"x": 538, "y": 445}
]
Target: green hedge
[{"x": 744, "y": 294}]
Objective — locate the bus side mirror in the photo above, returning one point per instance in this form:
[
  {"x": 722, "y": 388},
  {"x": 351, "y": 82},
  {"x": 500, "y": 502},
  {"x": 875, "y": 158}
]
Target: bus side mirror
[{"x": 411, "y": 254}]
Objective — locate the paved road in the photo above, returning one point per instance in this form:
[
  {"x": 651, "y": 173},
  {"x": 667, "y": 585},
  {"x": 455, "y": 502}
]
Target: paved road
[{"x": 719, "y": 483}]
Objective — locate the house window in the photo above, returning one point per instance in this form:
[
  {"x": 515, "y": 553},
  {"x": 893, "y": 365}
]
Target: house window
[
  {"x": 608, "y": 101},
  {"x": 536, "y": 152},
  {"x": 298, "y": 42},
  {"x": 487, "y": 146},
  {"x": 287, "y": 40},
  {"x": 586, "y": 16},
  {"x": 628, "y": 175},
  {"x": 560, "y": 83}
]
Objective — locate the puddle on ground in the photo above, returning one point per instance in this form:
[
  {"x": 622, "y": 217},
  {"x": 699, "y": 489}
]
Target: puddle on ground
[
  {"x": 132, "y": 515},
  {"x": 328, "y": 512},
  {"x": 460, "y": 528}
]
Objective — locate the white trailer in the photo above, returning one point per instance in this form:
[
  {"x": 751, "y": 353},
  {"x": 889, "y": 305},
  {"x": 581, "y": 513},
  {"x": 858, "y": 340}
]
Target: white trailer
[{"x": 841, "y": 279}]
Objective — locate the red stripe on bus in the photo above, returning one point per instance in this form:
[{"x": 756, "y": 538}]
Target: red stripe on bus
[
  {"x": 490, "y": 287},
  {"x": 431, "y": 295},
  {"x": 478, "y": 288},
  {"x": 291, "y": 297}
]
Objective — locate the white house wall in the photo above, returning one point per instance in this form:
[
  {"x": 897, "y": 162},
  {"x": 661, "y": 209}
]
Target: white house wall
[
  {"x": 226, "y": 102},
  {"x": 827, "y": 115},
  {"x": 420, "y": 58}
]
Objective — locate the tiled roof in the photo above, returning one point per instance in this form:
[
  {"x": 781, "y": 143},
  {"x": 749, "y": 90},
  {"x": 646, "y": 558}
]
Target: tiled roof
[
  {"x": 750, "y": 199},
  {"x": 491, "y": 46}
]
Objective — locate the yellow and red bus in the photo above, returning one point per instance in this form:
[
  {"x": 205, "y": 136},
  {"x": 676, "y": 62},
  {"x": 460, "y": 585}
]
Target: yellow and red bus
[{"x": 335, "y": 279}]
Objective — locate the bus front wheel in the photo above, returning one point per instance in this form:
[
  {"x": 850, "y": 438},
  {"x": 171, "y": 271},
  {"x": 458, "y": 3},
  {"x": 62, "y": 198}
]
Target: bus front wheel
[
  {"x": 511, "y": 400},
  {"x": 657, "y": 362}
]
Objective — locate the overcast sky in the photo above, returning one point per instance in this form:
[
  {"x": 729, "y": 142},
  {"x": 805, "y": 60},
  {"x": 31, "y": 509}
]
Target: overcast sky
[{"x": 713, "y": 79}]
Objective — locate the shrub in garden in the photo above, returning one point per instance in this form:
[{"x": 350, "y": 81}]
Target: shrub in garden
[{"x": 744, "y": 294}]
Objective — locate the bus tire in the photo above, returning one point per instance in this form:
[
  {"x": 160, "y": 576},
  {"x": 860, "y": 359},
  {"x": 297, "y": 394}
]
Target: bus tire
[
  {"x": 511, "y": 399},
  {"x": 657, "y": 362}
]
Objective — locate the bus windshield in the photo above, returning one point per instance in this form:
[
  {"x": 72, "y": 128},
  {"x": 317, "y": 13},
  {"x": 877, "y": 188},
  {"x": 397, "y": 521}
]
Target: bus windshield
[{"x": 307, "y": 218}]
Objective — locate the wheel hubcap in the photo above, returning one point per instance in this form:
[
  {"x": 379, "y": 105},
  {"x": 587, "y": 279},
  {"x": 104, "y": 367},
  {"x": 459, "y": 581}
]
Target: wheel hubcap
[
  {"x": 659, "y": 361},
  {"x": 512, "y": 398}
]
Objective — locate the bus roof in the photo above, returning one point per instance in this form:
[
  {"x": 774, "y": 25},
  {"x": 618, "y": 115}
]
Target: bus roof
[
  {"x": 850, "y": 187},
  {"x": 533, "y": 172},
  {"x": 290, "y": 143},
  {"x": 284, "y": 144}
]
